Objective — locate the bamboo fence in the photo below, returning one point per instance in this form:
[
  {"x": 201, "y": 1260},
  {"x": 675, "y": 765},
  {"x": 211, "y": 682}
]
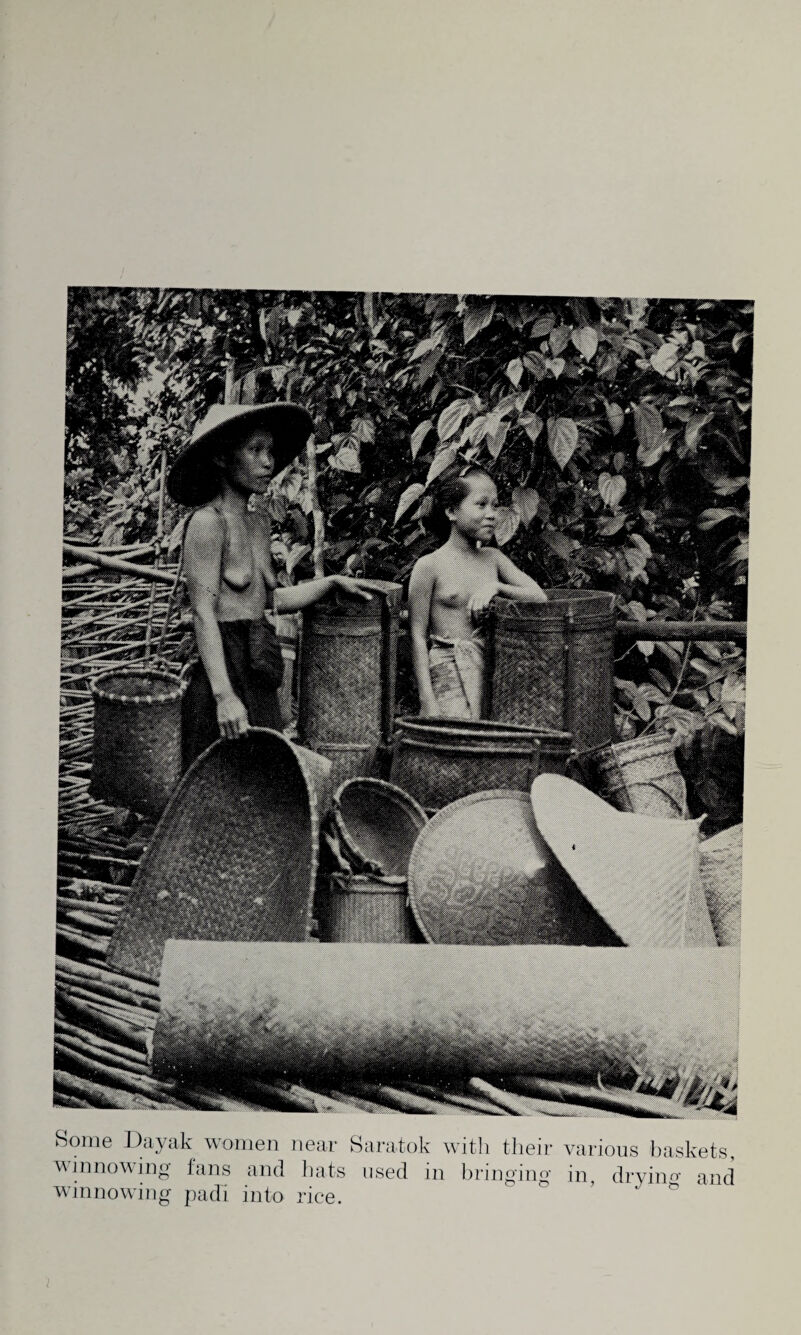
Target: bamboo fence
[
  {"x": 108, "y": 620},
  {"x": 104, "y": 1019}
]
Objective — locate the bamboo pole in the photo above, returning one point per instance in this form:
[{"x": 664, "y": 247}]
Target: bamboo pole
[
  {"x": 700, "y": 631},
  {"x": 114, "y": 563}
]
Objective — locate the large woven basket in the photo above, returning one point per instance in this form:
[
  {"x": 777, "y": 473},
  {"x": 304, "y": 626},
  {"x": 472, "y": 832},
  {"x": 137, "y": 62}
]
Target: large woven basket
[
  {"x": 552, "y": 664},
  {"x": 136, "y": 750},
  {"x": 439, "y": 760},
  {"x": 642, "y": 776},
  {"x": 367, "y": 908},
  {"x": 348, "y": 669},
  {"x": 348, "y": 760},
  {"x": 481, "y": 874},
  {"x": 233, "y": 858},
  {"x": 377, "y": 825}
]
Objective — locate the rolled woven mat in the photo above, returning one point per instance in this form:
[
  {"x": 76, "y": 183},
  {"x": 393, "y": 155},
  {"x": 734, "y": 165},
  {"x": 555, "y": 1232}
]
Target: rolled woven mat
[
  {"x": 641, "y": 873},
  {"x": 245, "y": 1009},
  {"x": 721, "y": 879},
  {"x": 233, "y": 858}
]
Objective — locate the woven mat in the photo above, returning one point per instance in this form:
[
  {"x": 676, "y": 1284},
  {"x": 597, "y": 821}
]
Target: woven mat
[
  {"x": 233, "y": 858},
  {"x": 482, "y": 874},
  {"x": 232, "y": 1010},
  {"x": 640, "y": 873},
  {"x": 721, "y": 879}
]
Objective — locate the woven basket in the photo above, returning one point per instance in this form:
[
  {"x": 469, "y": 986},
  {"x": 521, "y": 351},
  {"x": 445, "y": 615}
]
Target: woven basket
[
  {"x": 377, "y": 825},
  {"x": 642, "y": 776},
  {"x": 440, "y": 760},
  {"x": 721, "y": 879},
  {"x": 348, "y": 668},
  {"x": 136, "y": 750},
  {"x": 481, "y": 874},
  {"x": 367, "y": 908},
  {"x": 551, "y": 664},
  {"x": 348, "y": 760},
  {"x": 233, "y": 858}
]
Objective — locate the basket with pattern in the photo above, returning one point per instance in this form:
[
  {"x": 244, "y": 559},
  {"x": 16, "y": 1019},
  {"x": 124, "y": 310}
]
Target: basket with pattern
[
  {"x": 439, "y": 760},
  {"x": 641, "y": 775},
  {"x": 551, "y": 664},
  {"x": 136, "y": 754}
]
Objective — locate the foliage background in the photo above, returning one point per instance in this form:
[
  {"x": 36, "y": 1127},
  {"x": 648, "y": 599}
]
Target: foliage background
[{"x": 618, "y": 431}]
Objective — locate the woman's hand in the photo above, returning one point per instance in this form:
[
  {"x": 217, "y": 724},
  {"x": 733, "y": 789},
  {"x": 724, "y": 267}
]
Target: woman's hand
[
  {"x": 354, "y": 588},
  {"x": 232, "y": 717}
]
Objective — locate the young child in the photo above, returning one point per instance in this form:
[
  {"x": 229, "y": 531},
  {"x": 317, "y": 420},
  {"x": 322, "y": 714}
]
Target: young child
[{"x": 450, "y": 591}]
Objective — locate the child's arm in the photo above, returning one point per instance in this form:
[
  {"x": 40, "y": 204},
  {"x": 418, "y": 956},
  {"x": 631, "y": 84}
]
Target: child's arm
[
  {"x": 421, "y": 588},
  {"x": 513, "y": 583}
]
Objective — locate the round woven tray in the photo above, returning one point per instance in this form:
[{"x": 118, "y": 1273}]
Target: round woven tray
[
  {"x": 481, "y": 874},
  {"x": 378, "y": 825},
  {"x": 233, "y": 858}
]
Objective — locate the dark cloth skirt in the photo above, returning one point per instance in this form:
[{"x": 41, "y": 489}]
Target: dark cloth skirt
[{"x": 255, "y": 668}]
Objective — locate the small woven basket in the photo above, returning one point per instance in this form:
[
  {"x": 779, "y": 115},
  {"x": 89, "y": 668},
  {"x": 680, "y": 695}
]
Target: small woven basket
[
  {"x": 440, "y": 760},
  {"x": 136, "y": 754},
  {"x": 552, "y": 664},
  {"x": 377, "y": 826},
  {"x": 367, "y": 908},
  {"x": 642, "y": 776}
]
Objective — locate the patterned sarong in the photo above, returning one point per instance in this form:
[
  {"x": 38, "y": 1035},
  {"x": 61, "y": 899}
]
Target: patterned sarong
[{"x": 457, "y": 676}]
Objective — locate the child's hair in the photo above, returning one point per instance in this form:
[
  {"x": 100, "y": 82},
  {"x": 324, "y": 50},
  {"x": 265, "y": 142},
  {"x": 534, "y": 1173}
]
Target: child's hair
[{"x": 448, "y": 491}]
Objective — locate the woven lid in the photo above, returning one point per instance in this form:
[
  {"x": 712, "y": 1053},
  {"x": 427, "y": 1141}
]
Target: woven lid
[
  {"x": 481, "y": 874},
  {"x": 639, "y": 872},
  {"x": 378, "y": 825},
  {"x": 233, "y": 858}
]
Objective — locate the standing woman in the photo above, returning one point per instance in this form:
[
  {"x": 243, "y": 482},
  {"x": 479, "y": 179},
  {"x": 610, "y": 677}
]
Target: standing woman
[{"x": 234, "y": 453}]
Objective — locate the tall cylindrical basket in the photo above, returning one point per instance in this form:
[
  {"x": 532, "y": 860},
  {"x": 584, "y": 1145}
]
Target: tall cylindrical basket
[
  {"x": 552, "y": 664},
  {"x": 347, "y": 677}
]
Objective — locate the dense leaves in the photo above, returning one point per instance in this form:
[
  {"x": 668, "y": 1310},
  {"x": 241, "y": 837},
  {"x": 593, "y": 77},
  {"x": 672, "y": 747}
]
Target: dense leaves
[{"x": 618, "y": 432}]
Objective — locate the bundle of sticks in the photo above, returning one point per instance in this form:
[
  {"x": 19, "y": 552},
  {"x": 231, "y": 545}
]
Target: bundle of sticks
[{"x": 104, "y": 1022}]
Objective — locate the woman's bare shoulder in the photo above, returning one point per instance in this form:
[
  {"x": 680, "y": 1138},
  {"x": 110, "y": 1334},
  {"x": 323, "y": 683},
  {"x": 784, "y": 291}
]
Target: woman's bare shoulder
[{"x": 204, "y": 527}]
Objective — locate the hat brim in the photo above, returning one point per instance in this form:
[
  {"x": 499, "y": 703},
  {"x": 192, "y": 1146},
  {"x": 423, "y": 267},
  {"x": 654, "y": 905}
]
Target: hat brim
[
  {"x": 640, "y": 873},
  {"x": 194, "y": 479}
]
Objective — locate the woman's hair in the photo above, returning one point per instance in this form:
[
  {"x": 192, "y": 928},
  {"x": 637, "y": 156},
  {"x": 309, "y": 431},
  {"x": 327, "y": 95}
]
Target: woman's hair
[{"x": 448, "y": 491}]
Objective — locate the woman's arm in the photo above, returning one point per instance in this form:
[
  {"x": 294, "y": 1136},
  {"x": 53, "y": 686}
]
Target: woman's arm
[
  {"x": 296, "y": 596},
  {"x": 513, "y": 583},
  {"x": 203, "y": 545},
  {"x": 421, "y": 588}
]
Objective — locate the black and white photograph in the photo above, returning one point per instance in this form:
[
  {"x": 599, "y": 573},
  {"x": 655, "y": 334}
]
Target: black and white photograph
[{"x": 402, "y": 702}]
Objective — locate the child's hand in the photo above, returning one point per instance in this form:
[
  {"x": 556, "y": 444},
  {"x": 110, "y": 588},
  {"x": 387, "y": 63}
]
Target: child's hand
[{"x": 478, "y": 606}]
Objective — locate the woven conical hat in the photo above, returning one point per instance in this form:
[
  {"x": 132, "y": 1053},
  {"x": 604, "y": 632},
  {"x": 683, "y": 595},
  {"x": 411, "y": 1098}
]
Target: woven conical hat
[{"x": 640, "y": 873}]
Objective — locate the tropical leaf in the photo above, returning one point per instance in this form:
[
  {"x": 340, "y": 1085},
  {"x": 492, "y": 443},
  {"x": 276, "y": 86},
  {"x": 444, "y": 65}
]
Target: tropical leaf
[
  {"x": 408, "y": 498},
  {"x": 563, "y": 438},
  {"x": 526, "y": 501}
]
